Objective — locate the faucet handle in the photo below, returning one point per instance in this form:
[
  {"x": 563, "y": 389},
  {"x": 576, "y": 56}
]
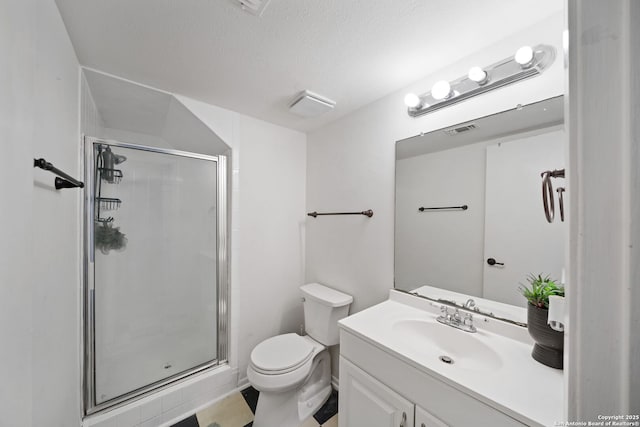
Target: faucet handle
[
  {"x": 446, "y": 313},
  {"x": 449, "y": 311},
  {"x": 468, "y": 319}
]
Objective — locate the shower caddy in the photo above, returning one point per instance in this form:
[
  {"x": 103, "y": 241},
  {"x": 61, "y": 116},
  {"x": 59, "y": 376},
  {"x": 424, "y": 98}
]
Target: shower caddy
[{"x": 105, "y": 171}]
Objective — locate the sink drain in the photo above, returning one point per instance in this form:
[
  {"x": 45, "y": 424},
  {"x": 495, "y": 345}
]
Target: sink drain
[{"x": 447, "y": 360}]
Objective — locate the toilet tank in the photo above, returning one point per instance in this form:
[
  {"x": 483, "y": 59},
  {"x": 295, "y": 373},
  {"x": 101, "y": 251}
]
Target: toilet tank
[{"x": 323, "y": 307}]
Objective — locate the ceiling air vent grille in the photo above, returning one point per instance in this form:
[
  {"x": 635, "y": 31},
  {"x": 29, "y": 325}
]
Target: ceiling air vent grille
[
  {"x": 254, "y": 7},
  {"x": 309, "y": 104},
  {"x": 460, "y": 129}
]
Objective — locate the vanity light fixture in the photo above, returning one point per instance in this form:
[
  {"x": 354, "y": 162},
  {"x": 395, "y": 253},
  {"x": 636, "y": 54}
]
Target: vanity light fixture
[
  {"x": 526, "y": 63},
  {"x": 524, "y": 56},
  {"x": 441, "y": 90},
  {"x": 478, "y": 75},
  {"x": 412, "y": 100}
]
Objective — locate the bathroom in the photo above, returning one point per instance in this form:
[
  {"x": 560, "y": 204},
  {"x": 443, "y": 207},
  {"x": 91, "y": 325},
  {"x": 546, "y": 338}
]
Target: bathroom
[{"x": 209, "y": 73}]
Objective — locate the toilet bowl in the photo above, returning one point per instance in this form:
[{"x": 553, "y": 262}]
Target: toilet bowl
[{"x": 293, "y": 372}]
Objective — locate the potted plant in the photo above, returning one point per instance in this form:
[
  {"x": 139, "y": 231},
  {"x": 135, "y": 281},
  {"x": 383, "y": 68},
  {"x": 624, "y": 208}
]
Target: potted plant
[{"x": 549, "y": 346}]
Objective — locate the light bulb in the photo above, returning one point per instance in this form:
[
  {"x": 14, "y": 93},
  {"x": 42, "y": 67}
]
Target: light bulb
[
  {"x": 478, "y": 75},
  {"x": 441, "y": 90},
  {"x": 412, "y": 100},
  {"x": 524, "y": 56}
]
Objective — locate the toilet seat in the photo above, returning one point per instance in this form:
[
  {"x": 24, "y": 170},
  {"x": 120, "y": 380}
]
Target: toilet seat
[{"x": 281, "y": 354}]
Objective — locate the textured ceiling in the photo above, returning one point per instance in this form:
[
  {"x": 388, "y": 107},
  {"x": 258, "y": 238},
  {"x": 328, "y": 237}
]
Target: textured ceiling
[{"x": 351, "y": 51}]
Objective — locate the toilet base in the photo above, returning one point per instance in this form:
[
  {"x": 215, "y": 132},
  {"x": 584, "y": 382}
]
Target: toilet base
[
  {"x": 291, "y": 408},
  {"x": 276, "y": 409}
]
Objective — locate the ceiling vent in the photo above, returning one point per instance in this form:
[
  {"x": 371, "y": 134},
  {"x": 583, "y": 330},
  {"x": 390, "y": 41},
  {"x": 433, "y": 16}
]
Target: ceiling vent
[
  {"x": 460, "y": 129},
  {"x": 309, "y": 104},
  {"x": 254, "y": 7}
]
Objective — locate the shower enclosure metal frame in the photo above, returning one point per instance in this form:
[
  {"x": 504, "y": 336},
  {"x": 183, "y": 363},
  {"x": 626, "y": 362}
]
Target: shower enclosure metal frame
[{"x": 88, "y": 303}]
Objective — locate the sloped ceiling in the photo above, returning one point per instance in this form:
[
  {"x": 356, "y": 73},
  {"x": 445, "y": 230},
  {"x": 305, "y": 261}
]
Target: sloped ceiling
[
  {"x": 351, "y": 51},
  {"x": 126, "y": 109}
]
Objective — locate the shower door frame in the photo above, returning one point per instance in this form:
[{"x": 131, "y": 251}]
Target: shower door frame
[{"x": 88, "y": 284}]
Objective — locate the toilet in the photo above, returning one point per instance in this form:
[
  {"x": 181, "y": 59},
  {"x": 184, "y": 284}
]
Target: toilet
[{"x": 293, "y": 372}]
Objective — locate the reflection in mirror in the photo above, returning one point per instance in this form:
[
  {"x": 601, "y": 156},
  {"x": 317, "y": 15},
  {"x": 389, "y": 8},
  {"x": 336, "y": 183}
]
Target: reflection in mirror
[{"x": 470, "y": 221}]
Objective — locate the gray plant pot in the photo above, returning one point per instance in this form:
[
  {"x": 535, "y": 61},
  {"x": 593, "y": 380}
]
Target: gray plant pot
[{"x": 549, "y": 347}]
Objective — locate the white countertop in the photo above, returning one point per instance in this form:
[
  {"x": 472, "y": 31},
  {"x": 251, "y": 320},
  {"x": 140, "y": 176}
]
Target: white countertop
[{"x": 519, "y": 386}]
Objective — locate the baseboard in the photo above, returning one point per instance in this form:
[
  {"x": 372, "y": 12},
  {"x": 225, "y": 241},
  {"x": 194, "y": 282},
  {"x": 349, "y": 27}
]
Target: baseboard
[{"x": 243, "y": 382}]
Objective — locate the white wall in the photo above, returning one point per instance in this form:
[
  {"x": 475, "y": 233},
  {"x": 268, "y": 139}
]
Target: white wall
[
  {"x": 40, "y": 241},
  {"x": 351, "y": 167},
  {"x": 55, "y": 301},
  {"x": 268, "y": 214},
  {"x": 272, "y": 202},
  {"x": 17, "y": 118}
]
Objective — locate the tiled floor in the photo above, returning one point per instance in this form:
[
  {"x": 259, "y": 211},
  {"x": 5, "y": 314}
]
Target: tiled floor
[{"x": 237, "y": 411}]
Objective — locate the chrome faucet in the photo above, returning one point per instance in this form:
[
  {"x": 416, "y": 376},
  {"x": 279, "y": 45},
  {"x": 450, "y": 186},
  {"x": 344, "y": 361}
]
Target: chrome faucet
[
  {"x": 470, "y": 304},
  {"x": 455, "y": 319}
]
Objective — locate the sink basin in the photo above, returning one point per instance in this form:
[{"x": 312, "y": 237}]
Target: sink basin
[{"x": 434, "y": 340}]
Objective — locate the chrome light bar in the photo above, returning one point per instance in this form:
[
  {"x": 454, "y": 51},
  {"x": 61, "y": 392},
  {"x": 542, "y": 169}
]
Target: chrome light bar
[{"x": 526, "y": 63}]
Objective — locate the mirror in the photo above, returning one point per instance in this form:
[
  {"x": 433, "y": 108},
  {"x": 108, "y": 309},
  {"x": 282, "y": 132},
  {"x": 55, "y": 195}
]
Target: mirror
[{"x": 470, "y": 221}]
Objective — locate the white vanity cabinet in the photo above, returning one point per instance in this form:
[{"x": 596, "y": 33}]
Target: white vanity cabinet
[
  {"x": 378, "y": 389},
  {"x": 365, "y": 401},
  {"x": 425, "y": 419}
]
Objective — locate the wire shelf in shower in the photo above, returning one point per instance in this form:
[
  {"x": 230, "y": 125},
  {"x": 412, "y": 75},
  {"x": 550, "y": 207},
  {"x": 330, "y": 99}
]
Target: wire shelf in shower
[
  {"x": 108, "y": 203},
  {"x": 111, "y": 176}
]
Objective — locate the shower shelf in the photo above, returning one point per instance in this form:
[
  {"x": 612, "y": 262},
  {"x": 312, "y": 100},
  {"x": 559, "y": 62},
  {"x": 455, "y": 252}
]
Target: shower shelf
[
  {"x": 105, "y": 220},
  {"x": 108, "y": 203},
  {"x": 111, "y": 176}
]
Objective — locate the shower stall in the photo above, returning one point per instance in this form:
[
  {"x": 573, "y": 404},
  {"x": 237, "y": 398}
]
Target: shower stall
[{"x": 155, "y": 288}]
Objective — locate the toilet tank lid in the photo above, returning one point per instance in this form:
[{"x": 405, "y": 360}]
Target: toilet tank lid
[{"x": 325, "y": 295}]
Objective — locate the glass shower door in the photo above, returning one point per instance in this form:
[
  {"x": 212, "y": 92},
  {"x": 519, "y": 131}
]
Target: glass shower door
[{"x": 154, "y": 293}]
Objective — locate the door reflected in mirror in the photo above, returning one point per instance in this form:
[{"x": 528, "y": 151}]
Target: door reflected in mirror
[{"x": 469, "y": 213}]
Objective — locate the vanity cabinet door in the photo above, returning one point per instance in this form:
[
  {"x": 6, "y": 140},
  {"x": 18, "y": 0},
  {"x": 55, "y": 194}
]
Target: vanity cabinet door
[
  {"x": 425, "y": 419},
  {"x": 365, "y": 401}
]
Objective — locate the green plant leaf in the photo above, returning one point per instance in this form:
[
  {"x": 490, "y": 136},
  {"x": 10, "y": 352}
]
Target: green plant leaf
[{"x": 539, "y": 290}]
